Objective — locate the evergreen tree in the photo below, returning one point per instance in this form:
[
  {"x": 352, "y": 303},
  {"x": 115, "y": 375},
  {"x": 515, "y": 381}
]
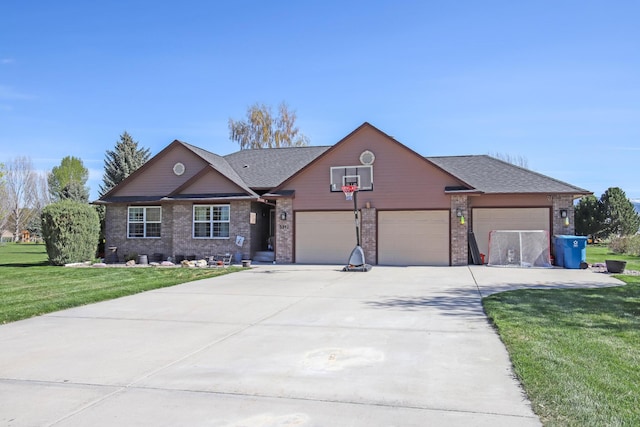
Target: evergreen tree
[
  {"x": 125, "y": 159},
  {"x": 620, "y": 216},
  {"x": 68, "y": 181},
  {"x": 70, "y": 230},
  {"x": 588, "y": 217}
]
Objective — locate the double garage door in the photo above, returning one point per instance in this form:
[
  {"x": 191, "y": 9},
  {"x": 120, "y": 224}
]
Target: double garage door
[{"x": 404, "y": 237}]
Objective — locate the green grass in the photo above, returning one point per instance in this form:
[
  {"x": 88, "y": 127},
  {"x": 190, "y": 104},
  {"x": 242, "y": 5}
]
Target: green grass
[
  {"x": 30, "y": 287},
  {"x": 576, "y": 351},
  {"x": 600, "y": 253}
]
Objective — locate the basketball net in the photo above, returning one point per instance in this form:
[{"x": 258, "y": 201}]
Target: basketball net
[{"x": 348, "y": 191}]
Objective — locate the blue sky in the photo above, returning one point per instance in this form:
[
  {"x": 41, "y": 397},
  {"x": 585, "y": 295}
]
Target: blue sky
[{"x": 554, "y": 82}]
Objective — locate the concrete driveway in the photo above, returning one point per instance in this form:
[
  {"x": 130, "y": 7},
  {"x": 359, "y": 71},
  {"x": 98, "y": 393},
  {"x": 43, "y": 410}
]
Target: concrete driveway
[{"x": 277, "y": 346}]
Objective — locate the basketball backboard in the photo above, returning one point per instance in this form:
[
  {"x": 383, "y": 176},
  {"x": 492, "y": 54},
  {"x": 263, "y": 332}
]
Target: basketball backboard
[{"x": 361, "y": 175}]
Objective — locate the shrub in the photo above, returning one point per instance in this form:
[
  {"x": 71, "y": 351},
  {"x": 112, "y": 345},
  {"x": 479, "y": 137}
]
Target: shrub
[
  {"x": 70, "y": 230},
  {"x": 628, "y": 245}
]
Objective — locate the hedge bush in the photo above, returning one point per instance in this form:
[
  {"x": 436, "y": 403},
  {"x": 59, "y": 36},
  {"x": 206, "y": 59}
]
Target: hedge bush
[
  {"x": 70, "y": 230},
  {"x": 628, "y": 245}
]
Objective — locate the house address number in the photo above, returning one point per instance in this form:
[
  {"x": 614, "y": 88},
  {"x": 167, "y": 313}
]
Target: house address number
[{"x": 284, "y": 226}]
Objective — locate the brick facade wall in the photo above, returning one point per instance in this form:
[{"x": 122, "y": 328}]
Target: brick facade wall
[
  {"x": 116, "y": 234},
  {"x": 284, "y": 231},
  {"x": 559, "y": 226},
  {"x": 177, "y": 233},
  {"x": 369, "y": 234},
  {"x": 459, "y": 232}
]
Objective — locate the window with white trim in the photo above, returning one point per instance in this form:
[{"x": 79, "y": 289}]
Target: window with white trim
[
  {"x": 144, "y": 222},
  {"x": 211, "y": 221}
]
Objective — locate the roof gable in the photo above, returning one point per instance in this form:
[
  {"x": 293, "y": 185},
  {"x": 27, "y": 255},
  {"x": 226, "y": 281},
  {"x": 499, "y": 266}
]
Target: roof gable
[
  {"x": 209, "y": 181},
  {"x": 375, "y": 134},
  {"x": 402, "y": 179},
  {"x": 156, "y": 176}
]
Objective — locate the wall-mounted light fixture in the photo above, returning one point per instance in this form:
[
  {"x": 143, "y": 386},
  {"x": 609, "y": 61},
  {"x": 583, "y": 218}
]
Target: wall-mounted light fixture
[
  {"x": 563, "y": 213},
  {"x": 283, "y": 216},
  {"x": 460, "y": 215}
]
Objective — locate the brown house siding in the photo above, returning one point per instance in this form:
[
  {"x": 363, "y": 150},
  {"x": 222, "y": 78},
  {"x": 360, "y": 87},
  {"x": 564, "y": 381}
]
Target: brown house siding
[
  {"x": 402, "y": 179},
  {"x": 211, "y": 182},
  {"x": 510, "y": 201},
  {"x": 158, "y": 178}
]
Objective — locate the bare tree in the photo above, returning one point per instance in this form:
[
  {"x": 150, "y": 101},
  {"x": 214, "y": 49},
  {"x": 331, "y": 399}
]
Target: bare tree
[
  {"x": 4, "y": 206},
  {"x": 262, "y": 130},
  {"x": 21, "y": 193},
  {"x": 514, "y": 160}
]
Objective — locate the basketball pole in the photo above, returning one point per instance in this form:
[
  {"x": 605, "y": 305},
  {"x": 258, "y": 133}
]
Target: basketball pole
[{"x": 355, "y": 213}]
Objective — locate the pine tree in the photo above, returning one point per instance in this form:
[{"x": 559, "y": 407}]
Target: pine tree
[
  {"x": 125, "y": 159},
  {"x": 620, "y": 216},
  {"x": 589, "y": 217}
]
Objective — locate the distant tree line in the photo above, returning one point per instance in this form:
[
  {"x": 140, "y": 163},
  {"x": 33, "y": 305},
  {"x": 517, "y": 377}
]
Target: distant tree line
[{"x": 30, "y": 199}]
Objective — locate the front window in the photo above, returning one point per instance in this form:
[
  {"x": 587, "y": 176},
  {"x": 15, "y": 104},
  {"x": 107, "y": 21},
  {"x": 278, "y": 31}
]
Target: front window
[
  {"x": 144, "y": 221},
  {"x": 211, "y": 221}
]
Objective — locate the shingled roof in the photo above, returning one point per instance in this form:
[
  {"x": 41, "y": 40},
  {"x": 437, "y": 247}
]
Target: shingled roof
[
  {"x": 267, "y": 168},
  {"x": 490, "y": 175},
  {"x": 221, "y": 165}
]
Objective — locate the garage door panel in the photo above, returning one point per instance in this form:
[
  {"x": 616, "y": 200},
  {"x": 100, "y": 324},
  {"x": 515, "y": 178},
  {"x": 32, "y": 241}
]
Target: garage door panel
[
  {"x": 324, "y": 237},
  {"x": 487, "y": 219},
  {"x": 413, "y": 238}
]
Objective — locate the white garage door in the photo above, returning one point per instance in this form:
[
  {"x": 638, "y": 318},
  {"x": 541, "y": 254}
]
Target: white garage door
[
  {"x": 324, "y": 237},
  {"x": 413, "y": 237},
  {"x": 487, "y": 219}
]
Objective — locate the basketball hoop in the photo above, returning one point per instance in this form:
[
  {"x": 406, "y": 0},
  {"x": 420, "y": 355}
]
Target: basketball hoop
[{"x": 348, "y": 191}]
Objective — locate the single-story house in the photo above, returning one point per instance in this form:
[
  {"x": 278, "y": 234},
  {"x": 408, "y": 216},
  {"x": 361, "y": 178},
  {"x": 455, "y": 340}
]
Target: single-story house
[
  {"x": 287, "y": 204},
  {"x": 6, "y": 236}
]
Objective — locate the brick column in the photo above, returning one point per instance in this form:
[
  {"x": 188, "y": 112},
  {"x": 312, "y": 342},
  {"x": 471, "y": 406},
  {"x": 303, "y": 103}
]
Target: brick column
[
  {"x": 284, "y": 231},
  {"x": 181, "y": 232},
  {"x": 368, "y": 234},
  {"x": 459, "y": 232},
  {"x": 559, "y": 226}
]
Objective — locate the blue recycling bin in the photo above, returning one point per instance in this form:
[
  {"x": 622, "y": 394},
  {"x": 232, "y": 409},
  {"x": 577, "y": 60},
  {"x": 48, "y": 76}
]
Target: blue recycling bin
[
  {"x": 558, "y": 251},
  {"x": 571, "y": 251}
]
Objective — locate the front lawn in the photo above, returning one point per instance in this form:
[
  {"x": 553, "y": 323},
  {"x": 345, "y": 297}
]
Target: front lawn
[
  {"x": 30, "y": 287},
  {"x": 600, "y": 253},
  {"x": 576, "y": 351}
]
